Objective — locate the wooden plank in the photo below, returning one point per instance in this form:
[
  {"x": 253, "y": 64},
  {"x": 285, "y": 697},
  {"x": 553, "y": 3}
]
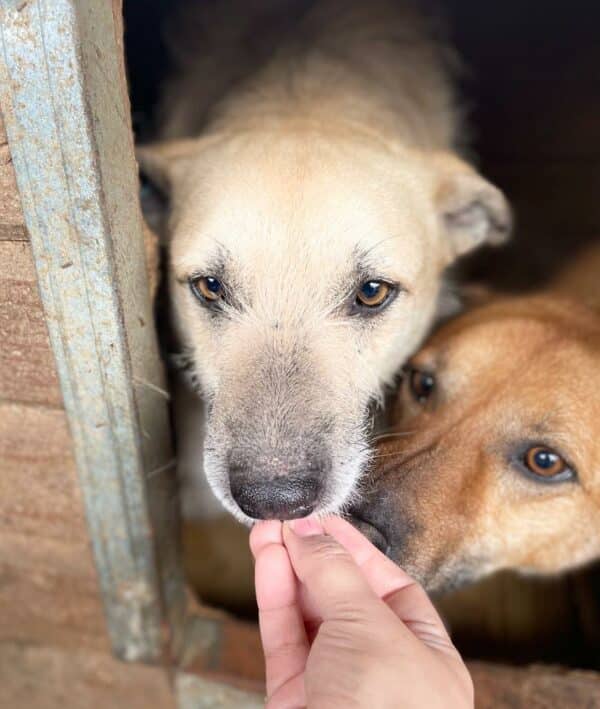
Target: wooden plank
[
  {"x": 52, "y": 678},
  {"x": 12, "y": 224},
  {"x": 48, "y": 583},
  {"x": 40, "y": 604},
  {"x": 536, "y": 687},
  {"x": 27, "y": 369},
  {"x": 63, "y": 97},
  {"x": 39, "y": 494}
]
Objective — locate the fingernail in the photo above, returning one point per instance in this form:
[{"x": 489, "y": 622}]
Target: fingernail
[{"x": 306, "y": 526}]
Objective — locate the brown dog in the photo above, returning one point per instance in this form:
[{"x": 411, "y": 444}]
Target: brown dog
[{"x": 495, "y": 457}]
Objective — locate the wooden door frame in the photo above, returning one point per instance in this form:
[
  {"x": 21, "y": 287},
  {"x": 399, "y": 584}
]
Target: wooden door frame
[{"x": 64, "y": 99}]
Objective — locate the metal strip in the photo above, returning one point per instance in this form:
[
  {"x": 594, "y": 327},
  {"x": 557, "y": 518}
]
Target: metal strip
[{"x": 66, "y": 111}]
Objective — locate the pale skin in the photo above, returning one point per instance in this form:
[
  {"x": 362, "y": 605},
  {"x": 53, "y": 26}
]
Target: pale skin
[{"x": 343, "y": 626}]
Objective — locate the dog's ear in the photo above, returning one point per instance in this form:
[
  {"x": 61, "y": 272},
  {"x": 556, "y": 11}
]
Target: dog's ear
[
  {"x": 472, "y": 211},
  {"x": 161, "y": 165}
]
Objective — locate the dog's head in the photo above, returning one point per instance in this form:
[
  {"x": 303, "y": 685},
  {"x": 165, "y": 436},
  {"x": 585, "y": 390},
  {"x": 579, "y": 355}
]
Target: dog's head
[
  {"x": 495, "y": 461},
  {"x": 304, "y": 269}
]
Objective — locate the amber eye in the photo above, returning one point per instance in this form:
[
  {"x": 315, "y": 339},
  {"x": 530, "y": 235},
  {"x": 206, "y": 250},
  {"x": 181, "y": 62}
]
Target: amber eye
[
  {"x": 373, "y": 294},
  {"x": 422, "y": 384},
  {"x": 545, "y": 462},
  {"x": 206, "y": 288}
]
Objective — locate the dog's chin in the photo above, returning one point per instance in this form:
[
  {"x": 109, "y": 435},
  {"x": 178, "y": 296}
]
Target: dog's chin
[{"x": 451, "y": 576}]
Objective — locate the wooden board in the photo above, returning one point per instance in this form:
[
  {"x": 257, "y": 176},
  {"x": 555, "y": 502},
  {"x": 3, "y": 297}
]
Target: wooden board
[
  {"x": 12, "y": 224},
  {"x": 48, "y": 584},
  {"x": 27, "y": 369},
  {"x": 52, "y": 678},
  {"x": 72, "y": 149},
  {"x": 537, "y": 687}
]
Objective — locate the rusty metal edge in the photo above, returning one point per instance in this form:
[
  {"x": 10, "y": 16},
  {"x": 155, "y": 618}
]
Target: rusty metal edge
[{"x": 64, "y": 101}]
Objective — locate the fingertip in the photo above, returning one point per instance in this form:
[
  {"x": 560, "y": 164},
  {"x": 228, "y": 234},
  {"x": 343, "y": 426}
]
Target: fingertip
[
  {"x": 304, "y": 526},
  {"x": 264, "y": 533}
]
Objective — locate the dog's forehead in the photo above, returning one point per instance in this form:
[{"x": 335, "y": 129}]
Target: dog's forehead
[
  {"x": 511, "y": 332},
  {"x": 318, "y": 206},
  {"x": 522, "y": 377}
]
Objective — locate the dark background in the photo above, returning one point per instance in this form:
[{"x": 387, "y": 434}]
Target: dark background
[{"x": 533, "y": 98}]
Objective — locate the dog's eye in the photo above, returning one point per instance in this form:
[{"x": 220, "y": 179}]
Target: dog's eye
[
  {"x": 373, "y": 294},
  {"x": 207, "y": 288},
  {"x": 422, "y": 384},
  {"x": 546, "y": 463}
]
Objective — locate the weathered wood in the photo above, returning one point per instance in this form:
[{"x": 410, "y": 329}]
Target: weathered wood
[
  {"x": 40, "y": 604},
  {"x": 48, "y": 583},
  {"x": 12, "y": 224},
  {"x": 27, "y": 369},
  {"x": 38, "y": 485},
  {"x": 63, "y": 96},
  {"x": 51, "y": 678},
  {"x": 537, "y": 687}
]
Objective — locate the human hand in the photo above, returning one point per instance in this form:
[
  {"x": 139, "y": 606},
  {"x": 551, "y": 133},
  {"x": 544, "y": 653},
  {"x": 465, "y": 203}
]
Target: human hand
[{"x": 342, "y": 626}]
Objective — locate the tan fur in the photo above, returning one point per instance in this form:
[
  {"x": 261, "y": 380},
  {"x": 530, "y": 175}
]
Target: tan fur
[
  {"x": 152, "y": 258},
  {"x": 446, "y": 493},
  {"x": 330, "y": 140}
]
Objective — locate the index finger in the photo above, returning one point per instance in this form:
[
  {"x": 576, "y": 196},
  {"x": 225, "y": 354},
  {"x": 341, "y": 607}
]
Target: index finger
[{"x": 283, "y": 637}]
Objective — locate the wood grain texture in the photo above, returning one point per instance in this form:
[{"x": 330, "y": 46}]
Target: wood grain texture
[
  {"x": 536, "y": 687},
  {"x": 52, "y": 678},
  {"x": 12, "y": 224},
  {"x": 27, "y": 369},
  {"x": 38, "y": 486},
  {"x": 48, "y": 585},
  {"x": 72, "y": 148}
]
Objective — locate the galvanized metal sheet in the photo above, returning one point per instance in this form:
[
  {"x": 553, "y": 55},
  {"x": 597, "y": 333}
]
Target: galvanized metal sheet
[{"x": 66, "y": 111}]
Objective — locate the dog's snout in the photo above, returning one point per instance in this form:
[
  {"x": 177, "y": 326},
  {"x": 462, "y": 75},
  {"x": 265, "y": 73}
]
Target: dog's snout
[{"x": 279, "y": 498}]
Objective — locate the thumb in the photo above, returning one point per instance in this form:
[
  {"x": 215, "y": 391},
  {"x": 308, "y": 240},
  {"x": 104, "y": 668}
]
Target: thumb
[{"x": 334, "y": 583}]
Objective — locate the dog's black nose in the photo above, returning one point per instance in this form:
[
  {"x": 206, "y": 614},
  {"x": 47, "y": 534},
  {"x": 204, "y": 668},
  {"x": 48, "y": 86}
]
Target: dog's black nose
[{"x": 280, "y": 498}]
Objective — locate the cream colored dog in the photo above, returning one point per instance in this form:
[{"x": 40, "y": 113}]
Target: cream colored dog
[{"x": 315, "y": 201}]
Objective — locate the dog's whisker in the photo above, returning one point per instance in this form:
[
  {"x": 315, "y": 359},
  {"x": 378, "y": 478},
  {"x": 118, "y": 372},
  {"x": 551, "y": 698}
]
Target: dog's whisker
[
  {"x": 392, "y": 434},
  {"x": 379, "y": 456},
  {"x": 162, "y": 469},
  {"x": 152, "y": 387}
]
